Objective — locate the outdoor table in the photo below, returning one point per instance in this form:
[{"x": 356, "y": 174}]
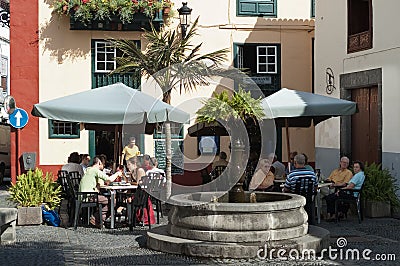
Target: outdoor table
[
  {"x": 113, "y": 190},
  {"x": 318, "y": 201}
]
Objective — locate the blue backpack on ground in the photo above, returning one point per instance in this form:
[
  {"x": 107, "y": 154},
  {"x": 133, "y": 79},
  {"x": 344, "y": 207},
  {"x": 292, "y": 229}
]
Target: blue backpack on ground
[{"x": 51, "y": 217}]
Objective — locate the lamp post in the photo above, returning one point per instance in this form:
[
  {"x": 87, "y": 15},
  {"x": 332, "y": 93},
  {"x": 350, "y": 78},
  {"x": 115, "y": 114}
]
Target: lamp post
[{"x": 184, "y": 17}]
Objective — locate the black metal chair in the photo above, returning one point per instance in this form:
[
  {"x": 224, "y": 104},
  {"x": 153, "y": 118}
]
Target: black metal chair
[
  {"x": 220, "y": 183},
  {"x": 90, "y": 201},
  {"x": 139, "y": 203},
  {"x": 347, "y": 196},
  {"x": 154, "y": 184},
  {"x": 306, "y": 188},
  {"x": 75, "y": 178},
  {"x": 217, "y": 171},
  {"x": 62, "y": 180}
]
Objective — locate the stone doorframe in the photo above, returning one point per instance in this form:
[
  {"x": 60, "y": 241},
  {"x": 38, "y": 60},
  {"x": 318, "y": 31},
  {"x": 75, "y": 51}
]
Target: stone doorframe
[{"x": 355, "y": 80}]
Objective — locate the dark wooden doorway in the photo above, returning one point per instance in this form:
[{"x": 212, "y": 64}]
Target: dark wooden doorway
[{"x": 364, "y": 125}]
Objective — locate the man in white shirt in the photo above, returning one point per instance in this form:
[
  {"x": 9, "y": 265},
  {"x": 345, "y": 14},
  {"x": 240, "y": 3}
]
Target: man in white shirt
[{"x": 73, "y": 164}]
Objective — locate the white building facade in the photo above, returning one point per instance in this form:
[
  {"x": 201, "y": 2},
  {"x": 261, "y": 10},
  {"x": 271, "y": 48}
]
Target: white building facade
[{"x": 357, "y": 57}]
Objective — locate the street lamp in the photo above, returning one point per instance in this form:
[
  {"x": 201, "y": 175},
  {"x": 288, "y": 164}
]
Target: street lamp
[{"x": 184, "y": 17}]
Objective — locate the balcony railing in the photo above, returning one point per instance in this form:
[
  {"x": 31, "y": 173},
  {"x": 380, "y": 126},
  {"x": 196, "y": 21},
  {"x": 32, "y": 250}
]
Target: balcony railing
[{"x": 359, "y": 41}]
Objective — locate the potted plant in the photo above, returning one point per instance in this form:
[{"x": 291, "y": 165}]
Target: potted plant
[
  {"x": 30, "y": 192},
  {"x": 379, "y": 191}
]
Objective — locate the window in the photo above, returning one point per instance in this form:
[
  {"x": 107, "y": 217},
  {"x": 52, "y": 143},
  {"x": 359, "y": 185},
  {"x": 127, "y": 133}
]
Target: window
[
  {"x": 63, "y": 130},
  {"x": 265, "y": 8},
  {"x": 359, "y": 17},
  {"x": 105, "y": 57},
  {"x": 262, "y": 64},
  {"x": 266, "y": 60},
  {"x": 103, "y": 61}
]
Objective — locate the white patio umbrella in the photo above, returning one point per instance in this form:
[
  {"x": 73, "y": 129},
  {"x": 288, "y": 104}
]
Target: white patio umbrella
[
  {"x": 114, "y": 105},
  {"x": 292, "y": 108}
]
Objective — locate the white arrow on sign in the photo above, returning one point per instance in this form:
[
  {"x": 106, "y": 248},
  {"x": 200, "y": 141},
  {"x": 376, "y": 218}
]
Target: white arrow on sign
[{"x": 18, "y": 117}]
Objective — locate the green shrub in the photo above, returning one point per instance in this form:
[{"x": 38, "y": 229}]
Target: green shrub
[
  {"x": 380, "y": 185},
  {"x": 33, "y": 189}
]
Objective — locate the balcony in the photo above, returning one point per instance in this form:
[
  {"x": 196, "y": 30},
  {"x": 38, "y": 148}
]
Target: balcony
[
  {"x": 138, "y": 23},
  {"x": 124, "y": 15}
]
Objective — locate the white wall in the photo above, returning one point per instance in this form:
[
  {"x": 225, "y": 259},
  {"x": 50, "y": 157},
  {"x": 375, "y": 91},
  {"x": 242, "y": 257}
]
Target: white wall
[{"x": 331, "y": 51}]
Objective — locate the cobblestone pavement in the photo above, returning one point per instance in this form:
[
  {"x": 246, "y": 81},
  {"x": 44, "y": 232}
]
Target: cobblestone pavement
[{"x": 47, "y": 245}]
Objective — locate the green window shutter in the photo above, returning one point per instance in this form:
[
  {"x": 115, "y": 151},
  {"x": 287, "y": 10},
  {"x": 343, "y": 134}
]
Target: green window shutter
[
  {"x": 313, "y": 8},
  {"x": 265, "y": 8}
]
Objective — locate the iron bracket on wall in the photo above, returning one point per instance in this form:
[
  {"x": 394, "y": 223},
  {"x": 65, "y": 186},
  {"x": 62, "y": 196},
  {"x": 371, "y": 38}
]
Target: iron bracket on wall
[{"x": 5, "y": 14}]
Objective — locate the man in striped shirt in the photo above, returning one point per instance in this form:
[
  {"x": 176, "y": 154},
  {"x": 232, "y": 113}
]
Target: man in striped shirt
[{"x": 298, "y": 172}]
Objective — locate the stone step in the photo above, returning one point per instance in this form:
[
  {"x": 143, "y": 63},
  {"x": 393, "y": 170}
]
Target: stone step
[{"x": 159, "y": 239}]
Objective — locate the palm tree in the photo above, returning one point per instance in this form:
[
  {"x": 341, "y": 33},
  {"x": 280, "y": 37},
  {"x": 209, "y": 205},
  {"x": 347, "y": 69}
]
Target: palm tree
[{"x": 171, "y": 61}]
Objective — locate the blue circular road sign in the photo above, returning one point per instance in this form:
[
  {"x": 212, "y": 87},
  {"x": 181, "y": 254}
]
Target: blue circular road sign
[{"x": 19, "y": 118}]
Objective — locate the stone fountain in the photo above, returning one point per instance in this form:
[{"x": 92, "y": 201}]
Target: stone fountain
[
  {"x": 236, "y": 230},
  {"x": 236, "y": 224}
]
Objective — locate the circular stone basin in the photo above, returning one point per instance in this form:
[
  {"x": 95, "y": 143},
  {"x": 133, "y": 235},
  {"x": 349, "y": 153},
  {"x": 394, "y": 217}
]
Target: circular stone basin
[
  {"x": 205, "y": 224},
  {"x": 274, "y": 216}
]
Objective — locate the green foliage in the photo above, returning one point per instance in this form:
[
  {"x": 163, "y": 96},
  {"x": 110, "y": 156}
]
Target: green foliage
[
  {"x": 170, "y": 60},
  {"x": 87, "y": 10},
  {"x": 380, "y": 185},
  {"x": 240, "y": 106},
  {"x": 33, "y": 189}
]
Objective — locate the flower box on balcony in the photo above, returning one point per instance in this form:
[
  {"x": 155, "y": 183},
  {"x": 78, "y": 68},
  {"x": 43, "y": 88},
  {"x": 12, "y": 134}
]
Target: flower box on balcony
[
  {"x": 123, "y": 15},
  {"x": 138, "y": 23}
]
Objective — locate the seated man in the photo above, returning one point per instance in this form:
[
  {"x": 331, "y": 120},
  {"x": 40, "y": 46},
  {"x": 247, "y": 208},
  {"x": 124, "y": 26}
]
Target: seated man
[
  {"x": 278, "y": 168},
  {"x": 89, "y": 183},
  {"x": 339, "y": 177},
  {"x": 73, "y": 164},
  {"x": 298, "y": 172},
  {"x": 355, "y": 183}
]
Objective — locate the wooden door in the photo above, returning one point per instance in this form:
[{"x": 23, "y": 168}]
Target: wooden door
[{"x": 364, "y": 126}]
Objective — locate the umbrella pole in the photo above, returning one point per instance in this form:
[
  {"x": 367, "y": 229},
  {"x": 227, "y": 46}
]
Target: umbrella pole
[
  {"x": 287, "y": 142},
  {"x": 119, "y": 151},
  {"x": 116, "y": 159}
]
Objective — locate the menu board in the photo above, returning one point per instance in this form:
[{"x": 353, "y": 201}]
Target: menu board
[{"x": 177, "y": 155}]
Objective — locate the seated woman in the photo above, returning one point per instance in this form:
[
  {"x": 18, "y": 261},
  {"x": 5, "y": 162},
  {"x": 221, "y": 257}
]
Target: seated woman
[
  {"x": 355, "y": 183},
  {"x": 136, "y": 174},
  {"x": 263, "y": 178}
]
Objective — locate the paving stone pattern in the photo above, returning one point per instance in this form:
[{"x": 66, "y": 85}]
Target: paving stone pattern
[{"x": 47, "y": 245}]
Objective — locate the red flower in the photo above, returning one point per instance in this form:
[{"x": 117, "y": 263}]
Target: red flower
[{"x": 85, "y": 1}]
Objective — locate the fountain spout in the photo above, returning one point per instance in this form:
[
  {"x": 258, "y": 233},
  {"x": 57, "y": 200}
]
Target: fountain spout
[{"x": 236, "y": 194}]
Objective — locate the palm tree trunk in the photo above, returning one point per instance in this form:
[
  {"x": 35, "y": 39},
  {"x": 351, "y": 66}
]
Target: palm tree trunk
[
  {"x": 167, "y": 96},
  {"x": 168, "y": 147},
  {"x": 167, "y": 127}
]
